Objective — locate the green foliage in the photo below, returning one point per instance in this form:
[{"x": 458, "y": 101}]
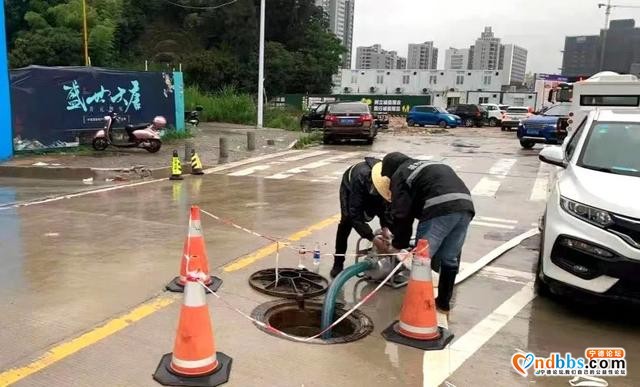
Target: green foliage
[
  {"x": 282, "y": 119},
  {"x": 216, "y": 47},
  {"x": 308, "y": 140},
  {"x": 226, "y": 105}
]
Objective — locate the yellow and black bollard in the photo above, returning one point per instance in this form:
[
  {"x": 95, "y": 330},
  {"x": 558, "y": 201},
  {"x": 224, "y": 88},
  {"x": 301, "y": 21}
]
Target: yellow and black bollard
[
  {"x": 196, "y": 164},
  {"x": 176, "y": 167}
]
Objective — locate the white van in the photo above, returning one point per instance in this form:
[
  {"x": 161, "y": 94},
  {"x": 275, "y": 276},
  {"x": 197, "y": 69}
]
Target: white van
[{"x": 603, "y": 90}]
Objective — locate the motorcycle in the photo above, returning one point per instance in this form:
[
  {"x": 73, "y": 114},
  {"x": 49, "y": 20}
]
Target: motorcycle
[
  {"x": 193, "y": 117},
  {"x": 144, "y": 136}
]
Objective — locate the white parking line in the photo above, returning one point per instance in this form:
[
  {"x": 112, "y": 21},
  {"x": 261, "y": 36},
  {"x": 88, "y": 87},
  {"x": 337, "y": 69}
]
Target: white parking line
[
  {"x": 489, "y": 185},
  {"x": 541, "y": 185},
  {"x": 249, "y": 171},
  {"x": 495, "y": 225},
  {"x": 314, "y": 165},
  {"x": 306, "y": 155},
  {"x": 439, "y": 365},
  {"x": 499, "y": 220}
]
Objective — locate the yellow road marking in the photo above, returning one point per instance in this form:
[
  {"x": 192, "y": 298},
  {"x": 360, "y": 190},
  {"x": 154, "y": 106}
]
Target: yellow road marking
[
  {"x": 270, "y": 249},
  {"x": 68, "y": 348}
]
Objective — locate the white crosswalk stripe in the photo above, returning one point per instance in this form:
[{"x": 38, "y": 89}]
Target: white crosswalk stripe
[
  {"x": 313, "y": 165},
  {"x": 541, "y": 185},
  {"x": 305, "y": 155},
  {"x": 249, "y": 171},
  {"x": 488, "y": 186}
]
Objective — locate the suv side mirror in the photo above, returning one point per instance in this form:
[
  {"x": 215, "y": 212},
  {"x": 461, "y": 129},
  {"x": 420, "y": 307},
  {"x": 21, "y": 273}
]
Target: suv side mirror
[{"x": 553, "y": 155}]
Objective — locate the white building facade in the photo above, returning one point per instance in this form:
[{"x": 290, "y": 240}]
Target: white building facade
[
  {"x": 340, "y": 15},
  {"x": 456, "y": 59},
  {"x": 445, "y": 87},
  {"x": 485, "y": 54},
  {"x": 374, "y": 57},
  {"x": 422, "y": 56},
  {"x": 513, "y": 60}
]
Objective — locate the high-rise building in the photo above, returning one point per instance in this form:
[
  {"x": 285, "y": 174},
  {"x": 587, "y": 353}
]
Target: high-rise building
[
  {"x": 340, "y": 18},
  {"x": 485, "y": 53},
  {"x": 513, "y": 60},
  {"x": 374, "y": 57},
  {"x": 582, "y": 54},
  {"x": 456, "y": 59},
  {"x": 422, "y": 56},
  {"x": 402, "y": 63}
]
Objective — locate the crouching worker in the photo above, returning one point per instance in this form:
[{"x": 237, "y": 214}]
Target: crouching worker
[
  {"x": 435, "y": 195},
  {"x": 360, "y": 202}
]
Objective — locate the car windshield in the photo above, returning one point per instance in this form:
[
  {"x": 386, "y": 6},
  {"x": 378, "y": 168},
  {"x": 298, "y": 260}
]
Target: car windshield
[
  {"x": 348, "y": 108},
  {"x": 518, "y": 110},
  {"x": 558, "y": 111},
  {"x": 613, "y": 147},
  {"x": 440, "y": 110}
]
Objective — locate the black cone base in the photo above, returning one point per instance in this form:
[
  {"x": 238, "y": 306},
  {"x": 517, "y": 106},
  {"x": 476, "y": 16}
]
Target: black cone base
[
  {"x": 392, "y": 334},
  {"x": 174, "y": 286},
  {"x": 176, "y": 177},
  {"x": 166, "y": 377},
  {"x": 197, "y": 171}
]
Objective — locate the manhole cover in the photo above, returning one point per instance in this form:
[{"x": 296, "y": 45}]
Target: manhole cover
[
  {"x": 291, "y": 283},
  {"x": 303, "y": 320}
]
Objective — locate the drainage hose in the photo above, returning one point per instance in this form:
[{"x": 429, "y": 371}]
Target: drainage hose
[{"x": 329, "y": 307}]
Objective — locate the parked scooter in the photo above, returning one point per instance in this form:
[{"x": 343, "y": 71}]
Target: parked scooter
[
  {"x": 144, "y": 136},
  {"x": 193, "y": 117}
]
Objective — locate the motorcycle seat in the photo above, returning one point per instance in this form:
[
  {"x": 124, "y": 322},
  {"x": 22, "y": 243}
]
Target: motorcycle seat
[{"x": 136, "y": 126}]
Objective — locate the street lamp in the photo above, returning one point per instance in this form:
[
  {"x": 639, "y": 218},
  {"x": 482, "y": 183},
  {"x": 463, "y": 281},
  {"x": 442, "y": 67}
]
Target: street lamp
[{"x": 261, "y": 68}]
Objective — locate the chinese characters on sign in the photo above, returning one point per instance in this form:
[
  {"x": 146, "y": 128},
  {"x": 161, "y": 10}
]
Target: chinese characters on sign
[{"x": 104, "y": 99}]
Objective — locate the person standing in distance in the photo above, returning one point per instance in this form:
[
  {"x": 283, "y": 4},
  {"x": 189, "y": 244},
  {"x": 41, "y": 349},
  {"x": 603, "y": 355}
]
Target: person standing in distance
[
  {"x": 435, "y": 195},
  {"x": 360, "y": 202}
]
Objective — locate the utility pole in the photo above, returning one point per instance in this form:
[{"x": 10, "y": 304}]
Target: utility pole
[
  {"x": 85, "y": 32},
  {"x": 607, "y": 14},
  {"x": 261, "y": 68}
]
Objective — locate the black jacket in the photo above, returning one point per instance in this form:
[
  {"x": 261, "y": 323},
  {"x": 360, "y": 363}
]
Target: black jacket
[
  {"x": 424, "y": 190},
  {"x": 359, "y": 200}
]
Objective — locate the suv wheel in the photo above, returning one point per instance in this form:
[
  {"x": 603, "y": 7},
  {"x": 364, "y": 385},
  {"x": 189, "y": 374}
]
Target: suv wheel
[
  {"x": 411, "y": 123},
  {"x": 527, "y": 144},
  {"x": 468, "y": 122},
  {"x": 493, "y": 121},
  {"x": 442, "y": 124}
]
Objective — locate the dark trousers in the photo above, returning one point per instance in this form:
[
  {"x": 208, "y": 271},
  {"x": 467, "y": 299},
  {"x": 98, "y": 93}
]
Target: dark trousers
[{"x": 342, "y": 237}]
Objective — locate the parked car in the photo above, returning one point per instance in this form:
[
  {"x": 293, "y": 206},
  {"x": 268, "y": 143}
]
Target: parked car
[
  {"x": 494, "y": 114},
  {"x": 313, "y": 119},
  {"x": 471, "y": 115},
  {"x": 590, "y": 240},
  {"x": 549, "y": 127},
  {"x": 432, "y": 115},
  {"x": 512, "y": 117},
  {"x": 348, "y": 120}
]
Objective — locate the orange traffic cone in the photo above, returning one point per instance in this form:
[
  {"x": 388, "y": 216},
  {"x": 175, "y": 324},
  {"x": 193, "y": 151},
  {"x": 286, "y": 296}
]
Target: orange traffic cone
[
  {"x": 194, "y": 360},
  {"x": 418, "y": 325},
  {"x": 194, "y": 255}
]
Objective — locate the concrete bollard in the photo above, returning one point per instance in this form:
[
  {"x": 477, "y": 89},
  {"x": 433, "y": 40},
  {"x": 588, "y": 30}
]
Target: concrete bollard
[
  {"x": 224, "y": 150},
  {"x": 187, "y": 151},
  {"x": 251, "y": 141}
]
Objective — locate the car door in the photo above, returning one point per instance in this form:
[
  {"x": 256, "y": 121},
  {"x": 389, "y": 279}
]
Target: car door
[
  {"x": 317, "y": 116},
  {"x": 420, "y": 115},
  {"x": 430, "y": 116}
]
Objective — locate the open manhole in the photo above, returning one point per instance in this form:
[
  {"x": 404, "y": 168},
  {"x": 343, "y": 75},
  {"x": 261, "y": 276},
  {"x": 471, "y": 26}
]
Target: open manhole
[
  {"x": 291, "y": 283},
  {"x": 302, "y": 319}
]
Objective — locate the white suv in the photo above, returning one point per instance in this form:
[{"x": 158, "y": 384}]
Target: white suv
[
  {"x": 591, "y": 227},
  {"x": 494, "y": 114}
]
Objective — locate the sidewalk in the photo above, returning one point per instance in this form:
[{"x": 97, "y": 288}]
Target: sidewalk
[{"x": 132, "y": 163}]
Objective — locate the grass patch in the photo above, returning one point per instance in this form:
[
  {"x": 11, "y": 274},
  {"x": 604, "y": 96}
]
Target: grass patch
[
  {"x": 231, "y": 106},
  {"x": 308, "y": 140}
]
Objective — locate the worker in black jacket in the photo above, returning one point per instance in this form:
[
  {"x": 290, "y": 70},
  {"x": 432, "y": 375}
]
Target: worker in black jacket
[
  {"x": 435, "y": 195},
  {"x": 360, "y": 202}
]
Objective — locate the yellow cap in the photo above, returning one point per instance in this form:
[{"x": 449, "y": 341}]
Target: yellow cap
[{"x": 381, "y": 183}]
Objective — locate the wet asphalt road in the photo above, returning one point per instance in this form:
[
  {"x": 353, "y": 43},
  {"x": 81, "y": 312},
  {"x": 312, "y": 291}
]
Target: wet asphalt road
[{"x": 71, "y": 265}]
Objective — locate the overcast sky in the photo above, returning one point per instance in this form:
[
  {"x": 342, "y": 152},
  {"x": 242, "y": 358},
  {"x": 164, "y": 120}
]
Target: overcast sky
[{"x": 540, "y": 26}]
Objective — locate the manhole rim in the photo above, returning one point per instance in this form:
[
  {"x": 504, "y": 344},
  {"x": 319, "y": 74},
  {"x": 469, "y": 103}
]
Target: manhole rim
[{"x": 364, "y": 324}]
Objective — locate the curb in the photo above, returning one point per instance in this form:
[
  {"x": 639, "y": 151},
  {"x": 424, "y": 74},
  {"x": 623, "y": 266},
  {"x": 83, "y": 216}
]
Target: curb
[{"x": 79, "y": 173}]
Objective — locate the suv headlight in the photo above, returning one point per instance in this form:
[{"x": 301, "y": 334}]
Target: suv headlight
[{"x": 595, "y": 216}]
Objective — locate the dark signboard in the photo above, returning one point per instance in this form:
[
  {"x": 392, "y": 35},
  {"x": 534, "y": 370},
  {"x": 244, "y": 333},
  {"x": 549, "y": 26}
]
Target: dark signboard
[{"x": 53, "y": 105}]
